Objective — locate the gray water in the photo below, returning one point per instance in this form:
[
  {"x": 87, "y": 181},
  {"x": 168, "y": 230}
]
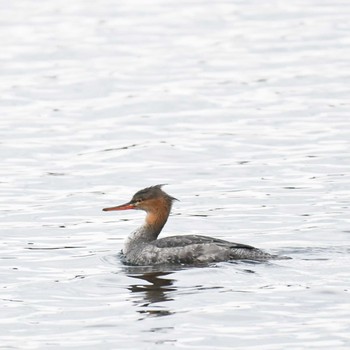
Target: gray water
[{"x": 242, "y": 107}]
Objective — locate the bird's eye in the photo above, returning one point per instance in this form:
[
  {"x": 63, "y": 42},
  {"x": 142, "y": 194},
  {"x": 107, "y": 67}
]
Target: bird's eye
[{"x": 139, "y": 200}]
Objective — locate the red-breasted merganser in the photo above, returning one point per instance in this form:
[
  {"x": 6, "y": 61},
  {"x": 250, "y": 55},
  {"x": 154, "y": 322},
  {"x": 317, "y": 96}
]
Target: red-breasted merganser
[{"x": 143, "y": 248}]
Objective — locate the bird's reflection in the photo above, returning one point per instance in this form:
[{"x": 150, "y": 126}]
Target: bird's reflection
[{"x": 152, "y": 288}]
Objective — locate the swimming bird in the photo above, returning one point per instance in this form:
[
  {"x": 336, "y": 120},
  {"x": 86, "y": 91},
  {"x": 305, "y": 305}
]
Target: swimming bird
[{"x": 143, "y": 247}]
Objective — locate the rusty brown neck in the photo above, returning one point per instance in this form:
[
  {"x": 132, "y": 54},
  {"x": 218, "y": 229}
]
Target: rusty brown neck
[{"x": 157, "y": 216}]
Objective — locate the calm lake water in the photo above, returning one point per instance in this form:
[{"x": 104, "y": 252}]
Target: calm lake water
[{"x": 242, "y": 107}]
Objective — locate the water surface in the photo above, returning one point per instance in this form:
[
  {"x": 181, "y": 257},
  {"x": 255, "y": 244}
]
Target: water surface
[{"x": 241, "y": 107}]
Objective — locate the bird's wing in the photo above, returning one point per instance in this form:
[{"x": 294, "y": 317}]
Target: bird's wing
[{"x": 182, "y": 241}]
